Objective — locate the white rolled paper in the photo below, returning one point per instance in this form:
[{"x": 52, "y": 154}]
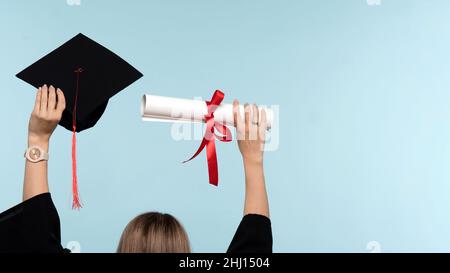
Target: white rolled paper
[{"x": 158, "y": 108}]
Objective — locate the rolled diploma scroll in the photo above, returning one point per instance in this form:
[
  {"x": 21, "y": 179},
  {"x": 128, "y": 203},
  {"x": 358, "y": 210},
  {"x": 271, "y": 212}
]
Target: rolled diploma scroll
[{"x": 158, "y": 108}]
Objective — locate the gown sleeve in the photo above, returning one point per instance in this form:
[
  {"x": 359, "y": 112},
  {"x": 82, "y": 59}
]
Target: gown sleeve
[
  {"x": 31, "y": 226},
  {"x": 254, "y": 235}
]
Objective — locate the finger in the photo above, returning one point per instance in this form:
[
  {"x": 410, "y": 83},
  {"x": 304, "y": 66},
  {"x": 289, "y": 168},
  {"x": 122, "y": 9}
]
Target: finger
[
  {"x": 262, "y": 128},
  {"x": 44, "y": 99},
  {"x": 255, "y": 114},
  {"x": 37, "y": 103},
  {"x": 51, "y": 99},
  {"x": 247, "y": 120},
  {"x": 61, "y": 101},
  {"x": 237, "y": 119}
]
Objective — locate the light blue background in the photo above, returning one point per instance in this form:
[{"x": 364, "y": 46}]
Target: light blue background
[{"x": 364, "y": 96}]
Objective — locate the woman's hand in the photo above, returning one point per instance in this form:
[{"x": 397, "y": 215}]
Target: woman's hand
[
  {"x": 48, "y": 108},
  {"x": 47, "y": 112},
  {"x": 251, "y": 132}
]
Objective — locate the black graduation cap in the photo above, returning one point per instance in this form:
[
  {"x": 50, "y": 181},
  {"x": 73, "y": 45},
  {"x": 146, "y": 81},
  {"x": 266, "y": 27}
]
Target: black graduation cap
[
  {"x": 89, "y": 75},
  {"x": 85, "y": 66}
]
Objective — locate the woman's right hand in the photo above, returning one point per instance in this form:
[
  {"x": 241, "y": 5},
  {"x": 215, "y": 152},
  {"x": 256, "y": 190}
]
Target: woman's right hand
[{"x": 251, "y": 132}]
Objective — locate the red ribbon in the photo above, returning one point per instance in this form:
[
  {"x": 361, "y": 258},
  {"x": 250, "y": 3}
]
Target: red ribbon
[{"x": 210, "y": 136}]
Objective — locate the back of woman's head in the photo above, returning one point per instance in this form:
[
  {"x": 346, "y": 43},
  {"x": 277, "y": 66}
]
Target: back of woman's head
[{"x": 154, "y": 232}]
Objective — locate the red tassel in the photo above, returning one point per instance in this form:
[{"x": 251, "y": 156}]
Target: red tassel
[
  {"x": 76, "y": 200},
  {"x": 76, "y": 204}
]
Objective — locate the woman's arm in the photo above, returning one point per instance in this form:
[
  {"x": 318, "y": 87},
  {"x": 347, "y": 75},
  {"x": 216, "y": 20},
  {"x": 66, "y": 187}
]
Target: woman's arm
[
  {"x": 47, "y": 112},
  {"x": 251, "y": 133}
]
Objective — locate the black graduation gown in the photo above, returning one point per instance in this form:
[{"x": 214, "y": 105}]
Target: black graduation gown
[
  {"x": 31, "y": 226},
  {"x": 34, "y": 226},
  {"x": 254, "y": 235}
]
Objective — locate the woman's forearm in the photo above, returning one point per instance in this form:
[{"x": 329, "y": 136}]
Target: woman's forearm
[
  {"x": 48, "y": 108},
  {"x": 256, "y": 200},
  {"x": 36, "y": 178},
  {"x": 250, "y": 133}
]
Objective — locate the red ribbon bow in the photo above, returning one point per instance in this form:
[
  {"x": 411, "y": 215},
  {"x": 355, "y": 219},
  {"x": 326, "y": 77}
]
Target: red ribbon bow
[{"x": 210, "y": 136}]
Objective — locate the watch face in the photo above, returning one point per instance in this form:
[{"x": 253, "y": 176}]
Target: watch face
[{"x": 35, "y": 154}]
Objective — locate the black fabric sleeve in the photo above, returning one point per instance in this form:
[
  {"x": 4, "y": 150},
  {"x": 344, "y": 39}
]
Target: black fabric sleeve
[
  {"x": 254, "y": 235},
  {"x": 31, "y": 226}
]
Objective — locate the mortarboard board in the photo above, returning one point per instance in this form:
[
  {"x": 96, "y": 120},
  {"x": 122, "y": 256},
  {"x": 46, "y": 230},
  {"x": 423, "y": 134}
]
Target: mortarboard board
[
  {"x": 89, "y": 75},
  {"x": 103, "y": 75}
]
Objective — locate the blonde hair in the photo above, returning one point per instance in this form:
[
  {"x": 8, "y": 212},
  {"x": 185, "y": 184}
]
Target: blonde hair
[{"x": 154, "y": 232}]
